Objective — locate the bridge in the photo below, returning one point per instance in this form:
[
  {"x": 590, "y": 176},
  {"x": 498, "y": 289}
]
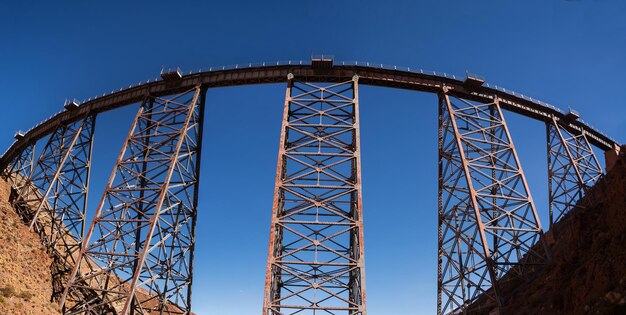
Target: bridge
[{"x": 136, "y": 256}]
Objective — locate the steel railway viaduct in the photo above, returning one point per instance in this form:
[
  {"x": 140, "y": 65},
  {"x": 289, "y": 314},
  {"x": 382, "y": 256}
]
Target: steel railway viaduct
[{"x": 136, "y": 256}]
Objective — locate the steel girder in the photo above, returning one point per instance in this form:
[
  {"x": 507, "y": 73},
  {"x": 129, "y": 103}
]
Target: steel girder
[
  {"x": 315, "y": 258},
  {"x": 52, "y": 197},
  {"x": 59, "y": 183},
  {"x": 572, "y": 169},
  {"x": 139, "y": 259},
  {"x": 20, "y": 169},
  {"x": 488, "y": 223}
]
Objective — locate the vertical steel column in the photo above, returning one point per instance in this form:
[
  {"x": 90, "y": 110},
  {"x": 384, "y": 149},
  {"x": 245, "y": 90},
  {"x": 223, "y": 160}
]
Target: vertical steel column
[
  {"x": 487, "y": 220},
  {"x": 315, "y": 257},
  {"x": 572, "y": 168},
  {"x": 143, "y": 230}
]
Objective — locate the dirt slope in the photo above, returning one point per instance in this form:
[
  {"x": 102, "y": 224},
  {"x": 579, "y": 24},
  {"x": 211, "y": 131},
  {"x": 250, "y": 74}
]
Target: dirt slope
[{"x": 25, "y": 281}]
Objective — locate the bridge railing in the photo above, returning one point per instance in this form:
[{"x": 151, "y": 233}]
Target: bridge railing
[
  {"x": 345, "y": 63},
  {"x": 341, "y": 63}
]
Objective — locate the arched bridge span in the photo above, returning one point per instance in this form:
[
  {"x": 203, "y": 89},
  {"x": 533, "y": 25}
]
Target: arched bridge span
[
  {"x": 273, "y": 73},
  {"x": 136, "y": 257}
]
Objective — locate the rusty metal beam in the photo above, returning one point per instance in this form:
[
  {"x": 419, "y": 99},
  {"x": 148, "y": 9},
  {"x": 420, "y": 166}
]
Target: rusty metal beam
[
  {"x": 372, "y": 74},
  {"x": 572, "y": 169},
  {"x": 20, "y": 168},
  {"x": 52, "y": 196},
  {"x": 136, "y": 258},
  {"x": 315, "y": 257},
  {"x": 488, "y": 223}
]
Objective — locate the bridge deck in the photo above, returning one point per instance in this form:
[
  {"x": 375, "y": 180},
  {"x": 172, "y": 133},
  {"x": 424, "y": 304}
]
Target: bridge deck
[{"x": 277, "y": 73}]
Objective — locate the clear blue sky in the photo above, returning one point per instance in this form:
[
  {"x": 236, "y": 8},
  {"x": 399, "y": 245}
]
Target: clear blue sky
[{"x": 567, "y": 53}]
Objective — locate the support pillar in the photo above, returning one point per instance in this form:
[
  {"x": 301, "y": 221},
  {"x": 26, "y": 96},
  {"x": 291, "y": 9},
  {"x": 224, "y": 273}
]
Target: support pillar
[
  {"x": 137, "y": 256},
  {"x": 52, "y": 196},
  {"x": 572, "y": 169},
  {"x": 488, "y": 223},
  {"x": 315, "y": 258}
]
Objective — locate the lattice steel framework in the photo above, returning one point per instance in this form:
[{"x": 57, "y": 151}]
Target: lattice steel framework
[
  {"x": 51, "y": 194},
  {"x": 572, "y": 169},
  {"x": 315, "y": 260},
  {"x": 487, "y": 220},
  {"x": 20, "y": 168},
  {"x": 56, "y": 200},
  {"x": 137, "y": 256},
  {"x": 140, "y": 259}
]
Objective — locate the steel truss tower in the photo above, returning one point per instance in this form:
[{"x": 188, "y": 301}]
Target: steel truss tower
[
  {"x": 487, "y": 220},
  {"x": 51, "y": 194},
  {"x": 137, "y": 256},
  {"x": 315, "y": 259},
  {"x": 572, "y": 168}
]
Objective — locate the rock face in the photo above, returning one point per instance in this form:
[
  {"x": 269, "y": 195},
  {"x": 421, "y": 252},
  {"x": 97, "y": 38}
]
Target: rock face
[
  {"x": 587, "y": 274},
  {"x": 25, "y": 275}
]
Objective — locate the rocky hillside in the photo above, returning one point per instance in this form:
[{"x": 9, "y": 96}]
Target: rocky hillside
[
  {"x": 588, "y": 270},
  {"x": 25, "y": 276}
]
